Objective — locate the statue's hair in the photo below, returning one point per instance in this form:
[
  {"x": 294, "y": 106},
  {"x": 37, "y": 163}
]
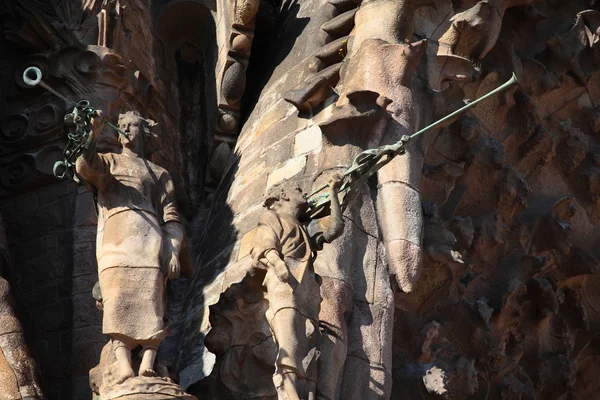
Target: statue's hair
[
  {"x": 148, "y": 125},
  {"x": 276, "y": 191}
]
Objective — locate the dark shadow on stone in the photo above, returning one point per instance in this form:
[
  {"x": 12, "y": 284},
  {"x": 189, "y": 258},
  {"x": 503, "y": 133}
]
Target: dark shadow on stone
[
  {"x": 211, "y": 257},
  {"x": 277, "y": 28}
]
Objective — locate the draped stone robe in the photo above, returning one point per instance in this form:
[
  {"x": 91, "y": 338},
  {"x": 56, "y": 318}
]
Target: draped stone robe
[{"x": 135, "y": 198}]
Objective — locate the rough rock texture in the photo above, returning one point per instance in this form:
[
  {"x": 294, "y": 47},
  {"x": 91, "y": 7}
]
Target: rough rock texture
[
  {"x": 18, "y": 373},
  {"x": 466, "y": 270}
]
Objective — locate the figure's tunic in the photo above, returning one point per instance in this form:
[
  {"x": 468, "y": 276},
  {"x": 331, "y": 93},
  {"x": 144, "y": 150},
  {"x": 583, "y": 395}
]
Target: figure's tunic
[
  {"x": 289, "y": 238},
  {"x": 135, "y": 198}
]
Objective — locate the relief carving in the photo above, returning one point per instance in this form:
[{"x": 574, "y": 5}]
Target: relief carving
[
  {"x": 239, "y": 19},
  {"x": 82, "y": 56},
  {"x": 382, "y": 81},
  {"x": 234, "y": 61}
]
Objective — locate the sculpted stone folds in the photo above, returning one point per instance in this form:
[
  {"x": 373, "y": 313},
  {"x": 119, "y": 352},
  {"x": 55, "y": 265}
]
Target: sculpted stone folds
[{"x": 360, "y": 78}]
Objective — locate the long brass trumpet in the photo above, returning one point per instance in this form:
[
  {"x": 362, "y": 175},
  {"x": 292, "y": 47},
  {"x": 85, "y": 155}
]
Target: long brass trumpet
[
  {"x": 367, "y": 163},
  {"x": 513, "y": 80},
  {"x": 32, "y": 76},
  {"x": 79, "y": 119}
]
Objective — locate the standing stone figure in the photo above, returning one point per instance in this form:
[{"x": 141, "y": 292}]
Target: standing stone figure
[
  {"x": 286, "y": 247},
  {"x": 138, "y": 242}
]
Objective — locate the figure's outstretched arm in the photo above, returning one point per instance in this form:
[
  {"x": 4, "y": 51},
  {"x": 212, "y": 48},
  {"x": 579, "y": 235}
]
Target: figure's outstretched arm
[
  {"x": 327, "y": 229},
  {"x": 90, "y": 165},
  {"x": 333, "y": 226}
]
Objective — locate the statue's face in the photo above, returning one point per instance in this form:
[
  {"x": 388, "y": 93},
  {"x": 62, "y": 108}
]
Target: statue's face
[
  {"x": 134, "y": 127},
  {"x": 298, "y": 198}
]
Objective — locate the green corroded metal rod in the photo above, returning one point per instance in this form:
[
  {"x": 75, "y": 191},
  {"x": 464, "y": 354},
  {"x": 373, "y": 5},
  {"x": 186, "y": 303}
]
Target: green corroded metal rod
[
  {"x": 472, "y": 104},
  {"x": 32, "y": 76},
  {"x": 400, "y": 144}
]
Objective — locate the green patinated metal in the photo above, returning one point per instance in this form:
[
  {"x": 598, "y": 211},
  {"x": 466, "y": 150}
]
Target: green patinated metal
[
  {"x": 78, "y": 123},
  {"x": 367, "y": 163}
]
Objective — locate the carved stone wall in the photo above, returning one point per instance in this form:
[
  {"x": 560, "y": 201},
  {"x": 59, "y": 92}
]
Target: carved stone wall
[
  {"x": 51, "y": 236},
  {"x": 510, "y": 237},
  {"x": 18, "y": 374},
  {"x": 490, "y": 290}
]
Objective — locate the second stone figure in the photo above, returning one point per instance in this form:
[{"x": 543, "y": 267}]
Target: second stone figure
[{"x": 285, "y": 244}]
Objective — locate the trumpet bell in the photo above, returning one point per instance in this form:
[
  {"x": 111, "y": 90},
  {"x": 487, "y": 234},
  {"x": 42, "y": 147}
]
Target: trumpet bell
[{"x": 32, "y": 76}]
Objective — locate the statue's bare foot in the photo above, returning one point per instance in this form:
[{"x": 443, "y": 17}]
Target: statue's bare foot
[
  {"x": 147, "y": 364},
  {"x": 147, "y": 372},
  {"x": 125, "y": 372}
]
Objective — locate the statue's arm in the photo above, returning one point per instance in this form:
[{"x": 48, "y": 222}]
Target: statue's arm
[
  {"x": 333, "y": 226},
  {"x": 172, "y": 228},
  {"x": 90, "y": 165},
  {"x": 173, "y": 237},
  {"x": 326, "y": 230},
  {"x": 280, "y": 267},
  {"x": 266, "y": 245}
]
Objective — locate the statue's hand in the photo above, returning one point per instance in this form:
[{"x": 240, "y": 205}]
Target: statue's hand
[
  {"x": 282, "y": 271},
  {"x": 97, "y": 123},
  {"x": 174, "y": 267},
  {"x": 336, "y": 180}
]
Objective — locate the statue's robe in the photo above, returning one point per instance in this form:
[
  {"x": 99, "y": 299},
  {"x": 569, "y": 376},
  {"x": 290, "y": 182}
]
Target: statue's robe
[{"x": 135, "y": 198}]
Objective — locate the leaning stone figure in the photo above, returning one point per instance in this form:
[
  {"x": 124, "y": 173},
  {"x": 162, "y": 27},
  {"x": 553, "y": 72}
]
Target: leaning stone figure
[
  {"x": 138, "y": 244},
  {"x": 285, "y": 244}
]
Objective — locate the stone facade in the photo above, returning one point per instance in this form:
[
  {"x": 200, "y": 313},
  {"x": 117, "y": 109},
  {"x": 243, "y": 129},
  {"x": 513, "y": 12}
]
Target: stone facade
[
  {"x": 467, "y": 266},
  {"x": 54, "y": 271}
]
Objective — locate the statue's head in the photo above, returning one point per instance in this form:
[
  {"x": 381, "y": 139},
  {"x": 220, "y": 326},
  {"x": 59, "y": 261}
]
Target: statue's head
[
  {"x": 138, "y": 130},
  {"x": 287, "y": 195}
]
